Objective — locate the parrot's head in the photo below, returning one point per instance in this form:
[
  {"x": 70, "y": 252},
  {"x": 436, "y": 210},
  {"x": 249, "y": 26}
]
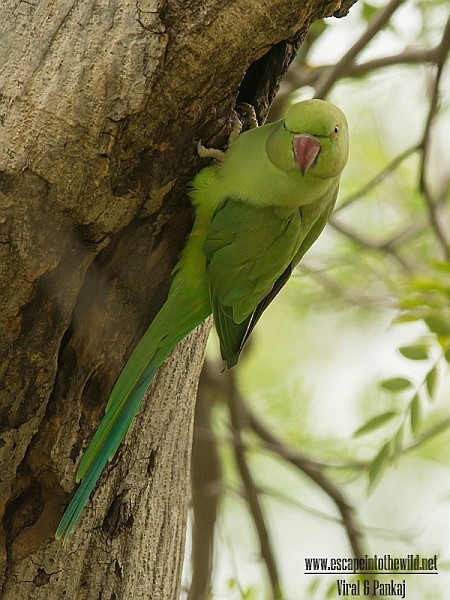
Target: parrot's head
[{"x": 312, "y": 139}]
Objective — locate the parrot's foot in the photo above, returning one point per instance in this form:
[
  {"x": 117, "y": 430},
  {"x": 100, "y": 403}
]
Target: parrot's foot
[
  {"x": 235, "y": 131},
  {"x": 250, "y": 115},
  {"x": 215, "y": 153},
  {"x": 250, "y": 119},
  {"x": 204, "y": 152}
]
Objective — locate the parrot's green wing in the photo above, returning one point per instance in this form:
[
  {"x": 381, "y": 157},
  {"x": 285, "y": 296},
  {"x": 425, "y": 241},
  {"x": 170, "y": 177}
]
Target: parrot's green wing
[
  {"x": 308, "y": 240},
  {"x": 318, "y": 224},
  {"x": 248, "y": 251},
  {"x": 277, "y": 286}
]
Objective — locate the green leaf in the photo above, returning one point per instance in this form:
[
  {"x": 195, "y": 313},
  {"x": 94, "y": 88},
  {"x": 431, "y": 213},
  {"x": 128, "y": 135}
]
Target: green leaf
[
  {"x": 318, "y": 27},
  {"x": 331, "y": 590},
  {"x": 378, "y": 464},
  {"x": 375, "y": 422},
  {"x": 447, "y": 355},
  {"x": 442, "y": 266},
  {"x": 313, "y": 586},
  {"x": 410, "y": 315},
  {"x": 428, "y": 284},
  {"x": 438, "y": 325},
  {"x": 396, "y": 384},
  {"x": 415, "y": 414},
  {"x": 368, "y": 11},
  {"x": 398, "y": 440},
  {"x": 416, "y": 352},
  {"x": 430, "y": 382},
  {"x": 231, "y": 584}
]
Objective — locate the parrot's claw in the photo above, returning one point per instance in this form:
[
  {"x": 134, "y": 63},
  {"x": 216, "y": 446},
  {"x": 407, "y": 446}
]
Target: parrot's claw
[
  {"x": 249, "y": 113},
  {"x": 250, "y": 119},
  {"x": 235, "y": 131},
  {"x": 214, "y": 153}
]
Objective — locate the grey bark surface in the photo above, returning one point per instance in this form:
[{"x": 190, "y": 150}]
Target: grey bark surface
[{"x": 101, "y": 104}]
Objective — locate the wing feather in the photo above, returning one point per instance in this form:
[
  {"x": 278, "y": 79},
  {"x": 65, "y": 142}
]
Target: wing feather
[
  {"x": 247, "y": 249},
  {"x": 250, "y": 253}
]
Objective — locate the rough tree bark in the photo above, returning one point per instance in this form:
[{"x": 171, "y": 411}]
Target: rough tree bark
[{"x": 100, "y": 106}]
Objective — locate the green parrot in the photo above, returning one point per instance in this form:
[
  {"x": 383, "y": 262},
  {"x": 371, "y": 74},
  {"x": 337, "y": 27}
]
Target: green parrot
[{"x": 258, "y": 209}]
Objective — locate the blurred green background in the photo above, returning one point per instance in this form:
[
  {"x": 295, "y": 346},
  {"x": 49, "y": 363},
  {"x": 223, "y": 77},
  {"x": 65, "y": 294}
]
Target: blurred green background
[{"x": 358, "y": 342}]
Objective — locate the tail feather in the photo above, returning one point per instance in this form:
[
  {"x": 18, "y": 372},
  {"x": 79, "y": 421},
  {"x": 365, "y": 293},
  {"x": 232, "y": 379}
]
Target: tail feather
[
  {"x": 181, "y": 313},
  {"x": 102, "y": 448}
]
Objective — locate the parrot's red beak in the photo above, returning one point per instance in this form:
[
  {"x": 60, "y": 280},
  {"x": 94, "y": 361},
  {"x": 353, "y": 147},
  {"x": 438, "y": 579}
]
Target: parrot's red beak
[{"x": 306, "y": 148}]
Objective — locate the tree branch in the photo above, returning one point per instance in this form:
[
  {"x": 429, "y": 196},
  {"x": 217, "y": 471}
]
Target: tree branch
[
  {"x": 386, "y": 247},
  {"x": 307, "y": 467},
  {"x": 299, "y": 75},
  {"x": 379, "y": 177},
  {"x": 430, "y": 202},
  {"x": 329, "y": 77},
  {"x": 237, "y": 413},
  {"x": 206, "y": 482}
]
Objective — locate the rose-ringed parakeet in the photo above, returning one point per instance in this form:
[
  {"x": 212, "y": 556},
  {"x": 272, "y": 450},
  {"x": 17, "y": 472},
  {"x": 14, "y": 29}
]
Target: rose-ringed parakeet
[{"x": 257, "y": 211}]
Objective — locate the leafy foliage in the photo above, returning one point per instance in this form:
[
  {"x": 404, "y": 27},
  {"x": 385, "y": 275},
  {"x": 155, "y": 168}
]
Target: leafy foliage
[
  {"x": 386, "y": 252},
  {"x": 427, "y": 301}
]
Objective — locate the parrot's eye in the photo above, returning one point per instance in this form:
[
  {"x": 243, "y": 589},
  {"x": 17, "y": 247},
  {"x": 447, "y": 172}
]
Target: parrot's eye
[{"x": 335, "y": 132}]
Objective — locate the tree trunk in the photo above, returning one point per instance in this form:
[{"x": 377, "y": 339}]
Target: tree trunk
[{"x": 101, "y": 104}]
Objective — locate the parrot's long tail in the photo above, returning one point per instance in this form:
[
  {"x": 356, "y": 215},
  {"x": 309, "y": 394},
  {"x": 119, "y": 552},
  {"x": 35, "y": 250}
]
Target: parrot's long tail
[{"x": 182, "y": 312}]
